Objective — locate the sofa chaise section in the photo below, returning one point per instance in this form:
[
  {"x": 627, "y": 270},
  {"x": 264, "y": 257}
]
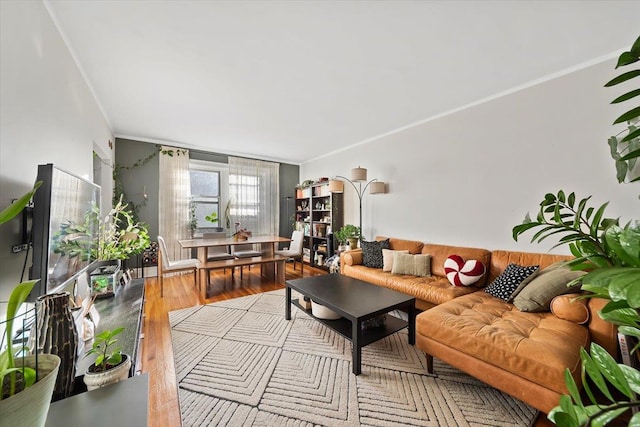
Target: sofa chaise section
[{"x": 521, "y": 353}]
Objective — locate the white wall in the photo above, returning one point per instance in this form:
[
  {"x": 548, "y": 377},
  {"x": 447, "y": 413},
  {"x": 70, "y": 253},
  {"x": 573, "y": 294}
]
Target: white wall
[
  {"x": 47, "y": 115},
  {"x": 469, "y": 177}
]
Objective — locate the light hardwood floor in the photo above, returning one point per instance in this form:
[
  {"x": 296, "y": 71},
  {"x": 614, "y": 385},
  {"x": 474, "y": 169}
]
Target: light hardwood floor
[{"x": 180, "y": 292}]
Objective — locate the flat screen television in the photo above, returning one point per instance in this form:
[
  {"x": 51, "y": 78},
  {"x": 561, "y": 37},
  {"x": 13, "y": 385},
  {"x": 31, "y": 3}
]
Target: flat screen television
[{"x": 63, "y": 234}]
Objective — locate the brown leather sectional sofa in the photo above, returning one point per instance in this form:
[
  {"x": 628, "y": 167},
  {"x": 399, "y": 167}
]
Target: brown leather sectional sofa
[{"x": 523, "y": 354}]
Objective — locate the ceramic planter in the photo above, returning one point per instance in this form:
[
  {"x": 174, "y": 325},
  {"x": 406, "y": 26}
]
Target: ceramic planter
[
  {"x": 353, "y": 243},
  {"x": 30, "y": 406},
  {"x": 95, "y": 380}
]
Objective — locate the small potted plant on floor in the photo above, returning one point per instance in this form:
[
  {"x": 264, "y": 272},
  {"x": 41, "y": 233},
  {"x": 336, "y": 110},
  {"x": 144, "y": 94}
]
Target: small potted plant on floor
[
  {"x": 349, "y": 233},
  {"x": 110, "y": 365}
]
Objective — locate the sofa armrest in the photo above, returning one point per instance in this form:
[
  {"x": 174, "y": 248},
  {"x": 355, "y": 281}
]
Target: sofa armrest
[{"x": 352, "y": 257}]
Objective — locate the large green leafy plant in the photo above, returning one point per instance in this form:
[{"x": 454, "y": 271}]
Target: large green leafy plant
[
  {"x": 611, "y": 256},
  {"x": 119, "y": 236},
  {"x": 9, "y": 384}
]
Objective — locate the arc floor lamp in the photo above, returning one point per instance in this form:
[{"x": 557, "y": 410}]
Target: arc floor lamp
[{"x": 359, "y": 177}]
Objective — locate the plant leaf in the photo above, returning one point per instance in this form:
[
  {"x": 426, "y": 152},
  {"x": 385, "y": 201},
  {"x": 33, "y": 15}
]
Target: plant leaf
[
  {"x": 613, "y": 236},
  {"x": 596, "y": 220},
  {"x": 633, "y": 377},
  {"x": 623, "y": 78},
  {"x": 573, "y": 389},
  {"x": 16, "y": 207},
  {"x": 631, "y": 114},
  {"x": 608, "y": 416},
  {"x": 626, "y": 96},
  {"x": 635, "y": 48},
  {"x": 519, "y": 229},
  {"x": 625, "y": 287},
  {"x": 632, "y": 155},
  {"x": 621, "y": 170},
  {"x": 628, "y": 330},
  {"x": 591, "y": 369},
  {"x": 29, "y": 375},
  {"x": 610, "y": 369},
  {"x": 626, "y": 58}
]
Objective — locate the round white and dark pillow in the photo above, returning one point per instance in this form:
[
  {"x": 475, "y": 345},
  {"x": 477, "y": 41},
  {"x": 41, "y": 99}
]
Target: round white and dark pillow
[{"x": 461, "y": 273}]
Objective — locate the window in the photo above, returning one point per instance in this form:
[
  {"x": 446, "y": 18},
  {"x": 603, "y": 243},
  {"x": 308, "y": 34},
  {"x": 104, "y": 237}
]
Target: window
[
  {"x": 245, "y": 190},
  {"x": 205, "y": 198},
  {"x": 253, "y": 188}
]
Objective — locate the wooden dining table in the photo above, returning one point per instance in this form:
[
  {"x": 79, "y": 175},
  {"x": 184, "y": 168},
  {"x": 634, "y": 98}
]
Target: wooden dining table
[{"x": 267, "y": 247}]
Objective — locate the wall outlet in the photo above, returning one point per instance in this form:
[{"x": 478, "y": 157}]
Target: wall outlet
[{"x": 19, "y": 248}]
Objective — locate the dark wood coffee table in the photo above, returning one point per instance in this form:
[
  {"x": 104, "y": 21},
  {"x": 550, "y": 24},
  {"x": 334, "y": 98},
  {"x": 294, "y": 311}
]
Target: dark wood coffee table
[{"x": 356, "y": 301}]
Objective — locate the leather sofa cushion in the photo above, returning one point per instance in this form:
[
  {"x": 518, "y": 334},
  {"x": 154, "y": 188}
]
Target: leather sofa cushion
[
  {"x": 431, "y": 289},
  {"x": 440, "y": 253},
  {"x": 501, "y": 259},
  {"x": 353, "y": 257},
  {"x": 413, "y": 246},
  {"x": 570, "y": 307},
  {"x": 534, "y": 346}
]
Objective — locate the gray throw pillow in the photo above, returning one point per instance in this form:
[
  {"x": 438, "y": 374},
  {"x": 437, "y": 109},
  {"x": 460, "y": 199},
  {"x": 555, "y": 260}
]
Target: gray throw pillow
[
  {"x": 414, "y": 265},
  {"x": 548, "y": 284}
]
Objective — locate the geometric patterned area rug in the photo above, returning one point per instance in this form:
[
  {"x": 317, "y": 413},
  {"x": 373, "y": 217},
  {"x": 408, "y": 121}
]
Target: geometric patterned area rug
[{"x": 240, "y": 363}]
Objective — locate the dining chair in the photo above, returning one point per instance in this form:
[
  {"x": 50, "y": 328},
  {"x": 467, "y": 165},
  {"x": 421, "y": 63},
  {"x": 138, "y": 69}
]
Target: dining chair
[
  {"x": 217, "y": 253},
  {"x": 244, "y": 251},
  {"x": 294, "y": 250},
  {"x": 165, "y": 265}
]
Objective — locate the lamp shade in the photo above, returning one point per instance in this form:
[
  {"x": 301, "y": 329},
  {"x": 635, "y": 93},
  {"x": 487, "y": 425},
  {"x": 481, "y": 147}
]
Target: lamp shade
[
  {"x": 358, "y": 174},
  {"x": 336, "y": 186},
  {"x": 377, "y": 187}
]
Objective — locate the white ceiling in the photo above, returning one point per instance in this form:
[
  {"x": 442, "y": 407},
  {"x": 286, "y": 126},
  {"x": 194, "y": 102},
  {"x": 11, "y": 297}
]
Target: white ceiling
[{"x": 293, "y": 80}]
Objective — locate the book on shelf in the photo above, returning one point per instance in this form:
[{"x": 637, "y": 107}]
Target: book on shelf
[{"x": 626, "y": 343}]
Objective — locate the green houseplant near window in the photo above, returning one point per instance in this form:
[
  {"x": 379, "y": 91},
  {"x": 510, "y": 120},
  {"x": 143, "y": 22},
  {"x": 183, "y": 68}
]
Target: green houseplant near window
[
  {"x": 26, "y": 386},
  {"x": 611, "y": 255}
]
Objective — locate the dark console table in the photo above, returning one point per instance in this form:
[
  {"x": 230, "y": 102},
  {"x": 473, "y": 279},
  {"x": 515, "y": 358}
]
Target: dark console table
[{"x": 126, "y": 309}]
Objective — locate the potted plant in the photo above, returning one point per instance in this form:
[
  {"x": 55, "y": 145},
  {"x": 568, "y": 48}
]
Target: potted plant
[
  {"x": 110, "y": 365},
  {"x": 611, "y": 256},
  {"x": 119, "y": 237},
  {"x": 348, "y": 234},
  {"x": 26, "y": 384}
]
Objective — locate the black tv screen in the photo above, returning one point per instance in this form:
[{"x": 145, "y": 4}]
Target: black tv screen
[{"x": 63, "y": 233}]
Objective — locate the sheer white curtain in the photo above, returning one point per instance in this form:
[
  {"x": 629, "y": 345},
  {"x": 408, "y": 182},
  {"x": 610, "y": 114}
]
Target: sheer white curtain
[
  {"x": 254, "y": 192},
  {"x": 173, "y": 209}
]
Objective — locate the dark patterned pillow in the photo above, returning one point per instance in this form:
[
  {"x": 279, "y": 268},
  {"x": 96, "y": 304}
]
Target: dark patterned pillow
[
  {"x": 512, "y": 277},
  {"x": 372, "y": 253}
]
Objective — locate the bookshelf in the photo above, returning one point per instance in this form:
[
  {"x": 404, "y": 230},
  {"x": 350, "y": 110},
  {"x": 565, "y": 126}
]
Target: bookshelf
[{"x": 318, "y": 213}]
